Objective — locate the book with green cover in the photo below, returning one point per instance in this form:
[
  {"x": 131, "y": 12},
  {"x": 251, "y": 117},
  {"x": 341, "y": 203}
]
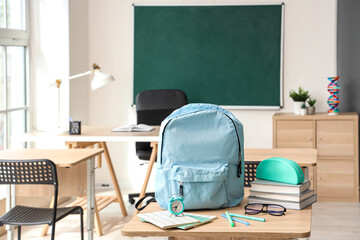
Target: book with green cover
[{"x": 200, "y": 217}]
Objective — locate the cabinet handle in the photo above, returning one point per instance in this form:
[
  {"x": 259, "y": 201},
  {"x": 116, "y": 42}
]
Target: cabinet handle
[
  {"x": 319, "y": 139},
  {"x": 310, "y": 139}
]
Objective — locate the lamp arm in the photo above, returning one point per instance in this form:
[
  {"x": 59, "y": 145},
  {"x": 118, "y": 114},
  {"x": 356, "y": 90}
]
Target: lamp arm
[
  {"x": 80, "y": 75},
  {"x": 58, "y": 81}
]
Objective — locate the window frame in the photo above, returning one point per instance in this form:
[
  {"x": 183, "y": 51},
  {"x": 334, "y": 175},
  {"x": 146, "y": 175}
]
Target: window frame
[
  {"x": 17, "y": 38},
  {"x": 8, "y": 38},
  {"x": 14, "y": 37}
]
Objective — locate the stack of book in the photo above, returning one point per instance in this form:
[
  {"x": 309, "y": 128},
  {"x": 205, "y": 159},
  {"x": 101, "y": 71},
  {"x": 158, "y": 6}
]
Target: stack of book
[{"x": 288, "y": 195}]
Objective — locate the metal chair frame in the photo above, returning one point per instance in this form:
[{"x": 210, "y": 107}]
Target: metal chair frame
[{"x": 39, "y": 171}]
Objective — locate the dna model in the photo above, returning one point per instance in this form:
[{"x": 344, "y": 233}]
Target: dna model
[{"x": 333, "y": 100}]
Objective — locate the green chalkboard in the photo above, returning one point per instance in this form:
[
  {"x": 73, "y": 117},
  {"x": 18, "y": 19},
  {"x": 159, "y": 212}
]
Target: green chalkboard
[{"x": 226, "y": 55}]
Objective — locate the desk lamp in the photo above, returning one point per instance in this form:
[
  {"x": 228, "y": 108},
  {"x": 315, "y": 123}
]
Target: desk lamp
[{"x": 99, "y": 80}]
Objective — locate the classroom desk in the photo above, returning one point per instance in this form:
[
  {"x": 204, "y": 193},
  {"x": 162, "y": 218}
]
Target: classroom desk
[
  {"x": 294, "y": 224},
  {"x": 91, "y": 135},
  {"x": 62, "y": 158}
]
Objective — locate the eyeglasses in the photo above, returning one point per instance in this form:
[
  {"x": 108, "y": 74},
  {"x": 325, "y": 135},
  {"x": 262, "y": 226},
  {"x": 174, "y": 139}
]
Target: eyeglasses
[{"x": 272, "y": 209}]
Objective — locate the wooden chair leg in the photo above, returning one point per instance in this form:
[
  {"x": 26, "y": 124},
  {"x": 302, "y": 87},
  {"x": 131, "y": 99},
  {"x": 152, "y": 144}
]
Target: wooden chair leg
[
  {"x": 113, "y": 178},
  {"x": 46, "y": 227}
]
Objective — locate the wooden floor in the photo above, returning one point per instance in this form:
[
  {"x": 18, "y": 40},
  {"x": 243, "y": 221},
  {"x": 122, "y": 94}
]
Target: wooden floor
[{"x": 330, "y": 221}]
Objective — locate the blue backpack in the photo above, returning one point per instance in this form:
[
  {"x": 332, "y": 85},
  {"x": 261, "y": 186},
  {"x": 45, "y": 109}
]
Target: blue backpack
[{"x": 200, "y": 157}]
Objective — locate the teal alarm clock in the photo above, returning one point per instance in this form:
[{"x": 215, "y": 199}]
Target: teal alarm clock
[{"x": 176, "y": 205}]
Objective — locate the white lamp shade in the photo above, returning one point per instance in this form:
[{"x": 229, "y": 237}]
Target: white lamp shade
[{"x": 100, "y": 79}]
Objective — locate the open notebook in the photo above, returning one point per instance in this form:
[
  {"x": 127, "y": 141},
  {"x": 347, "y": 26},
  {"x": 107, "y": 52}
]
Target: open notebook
[
  {"x": 202, "y": 219},
  {"x": 164, "y": 219},
  {"x": 133, "y": 128}
]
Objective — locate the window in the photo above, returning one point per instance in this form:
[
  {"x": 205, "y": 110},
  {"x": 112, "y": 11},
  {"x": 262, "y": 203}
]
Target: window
[
  {"x": 14, "y": 83},
  {"x": 14, "y": 39}
]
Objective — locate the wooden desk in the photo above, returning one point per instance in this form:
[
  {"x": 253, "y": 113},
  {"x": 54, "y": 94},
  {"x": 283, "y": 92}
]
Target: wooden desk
[
  {"x": 91, "y": 135},
  {"x": 306, "y": 158},
  {"x": 295, "y": 224},
  {"x": 62, "y": 158}
]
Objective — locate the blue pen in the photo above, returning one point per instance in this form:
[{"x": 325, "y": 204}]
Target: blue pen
[{"x": 235, "y": 219}]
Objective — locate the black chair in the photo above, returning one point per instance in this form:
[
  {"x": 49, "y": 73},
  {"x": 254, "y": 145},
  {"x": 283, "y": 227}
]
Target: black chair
[
  {"x": 152, "y": 107},
  {"x": 40, "y": 171}
]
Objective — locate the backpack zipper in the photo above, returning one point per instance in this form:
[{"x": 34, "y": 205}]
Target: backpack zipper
[
  {"x": 162, "y": 141},
  {"x": 239, "y": 144},
  {"x": 181, "y": 189}
]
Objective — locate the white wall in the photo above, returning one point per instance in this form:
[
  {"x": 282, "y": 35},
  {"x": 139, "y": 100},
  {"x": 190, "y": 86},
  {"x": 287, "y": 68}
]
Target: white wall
[
  {"x": 49, "y": 57},
  {"x": 79, "y": 60},
  {"x": 309, "y": 58},
  {"x": 68, "y": 36}
]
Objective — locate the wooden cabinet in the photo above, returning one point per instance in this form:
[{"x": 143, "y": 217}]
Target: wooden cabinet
[
  {"x": 335, "y": 138},
  {"x": 295, "y": 134},
  {"x": 336, "y": 141}
]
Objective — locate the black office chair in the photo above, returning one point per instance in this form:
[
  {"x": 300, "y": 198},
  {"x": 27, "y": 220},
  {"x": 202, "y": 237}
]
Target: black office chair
[
  {"x": 40, "y": 171},
  {"x": 152, "y": 107}
]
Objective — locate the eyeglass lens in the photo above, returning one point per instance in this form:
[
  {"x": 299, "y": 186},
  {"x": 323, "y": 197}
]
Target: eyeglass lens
[
  {"x": 258, "y": 208},
  {"x": 254, "y": 208},
  {"x": 275, "y": 210}
]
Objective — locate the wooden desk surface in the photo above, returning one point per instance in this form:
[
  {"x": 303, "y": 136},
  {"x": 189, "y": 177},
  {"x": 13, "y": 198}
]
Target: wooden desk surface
[
  {"x": 304, "y": 157},
  {"x": 295, "y": 224},
  {"x": 92, "y": 134},
  {"x": 61, "y": 157}
]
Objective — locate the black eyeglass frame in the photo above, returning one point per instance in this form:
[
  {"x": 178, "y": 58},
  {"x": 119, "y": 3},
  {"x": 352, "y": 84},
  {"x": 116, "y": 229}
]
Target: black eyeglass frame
[{"x": 266, "y": 210}]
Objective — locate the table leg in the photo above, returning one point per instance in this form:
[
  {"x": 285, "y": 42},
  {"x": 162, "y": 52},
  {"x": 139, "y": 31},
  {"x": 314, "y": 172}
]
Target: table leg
[
  {"x": 90, "y": 197},
  {"x": 306, "y": 173},
  {"x": 315, "y": 178},
  {"x": 10, "y": 203},
  {"x": 154, "y": 146},
  {"x": 113, "y": 178},
  {"x": 98, "y": 226}
]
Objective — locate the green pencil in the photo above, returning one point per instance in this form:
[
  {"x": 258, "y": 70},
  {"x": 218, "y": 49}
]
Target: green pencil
[
  {"x": 229, "y": 218},
  {"x": 247, "y": 217}
]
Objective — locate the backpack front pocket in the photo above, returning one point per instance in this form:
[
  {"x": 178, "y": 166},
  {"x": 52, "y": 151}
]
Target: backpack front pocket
[{"x": 202, "y": 188}]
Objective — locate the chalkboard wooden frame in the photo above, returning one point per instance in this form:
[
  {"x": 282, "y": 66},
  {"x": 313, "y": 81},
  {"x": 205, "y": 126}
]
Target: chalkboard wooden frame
[{"x": 273, "y": 104}]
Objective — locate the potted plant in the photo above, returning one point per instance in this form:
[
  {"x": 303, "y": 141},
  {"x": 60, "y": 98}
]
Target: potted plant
[
  {"x": 311, "y": 108},
  {"x": 299, "y": 99},
  {"x": 303, "y": 110}
]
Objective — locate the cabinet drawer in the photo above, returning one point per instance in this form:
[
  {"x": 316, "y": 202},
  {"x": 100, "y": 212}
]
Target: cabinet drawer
[
  {"x": 335, "y": 178},
  {"x": 294, "y": 134},
  {"x": 335, "y": 138}
]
